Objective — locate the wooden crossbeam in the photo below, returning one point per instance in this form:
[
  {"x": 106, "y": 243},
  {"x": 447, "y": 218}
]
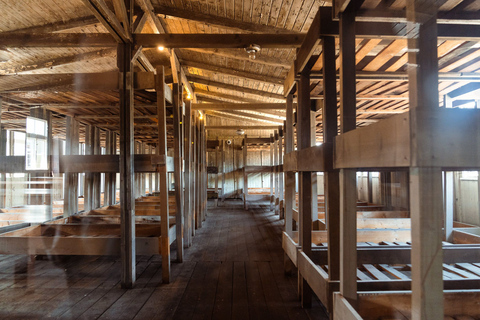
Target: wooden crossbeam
[
  {"x": 225, "y": 96},
  {"x": 238, "y": 106},
  {"x": 222, "y": 85},
  {"x": 230, "y": 71},
  {"x": 45, "y": 40},
  {"x": 59, "y": 26},
  {"x": 246, "y": 118},
  {"x": 202, "y": 40},
  {"x": 109, "y": 20},
  {"x": 241, "y": 127}
]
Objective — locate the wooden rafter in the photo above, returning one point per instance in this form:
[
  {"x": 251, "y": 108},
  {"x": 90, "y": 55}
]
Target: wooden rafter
[{"x": 109, "y": 20}]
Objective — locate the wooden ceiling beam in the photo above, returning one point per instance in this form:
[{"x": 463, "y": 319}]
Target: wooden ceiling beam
[
  {"x": 242, "y": 56},
  {"x": 395, "y": 16},
  {"x": 241, "y": 127},
  {"x": 234, "y": 88},
  {"x": 225, "y": 96},
  {"x": 58, "y": 26},
  {"x": 57, "y": 40},
  {"x": 55, "y": 62},
  {"x": 231, "y": 72},
  {"x": 213, "y": 40},
  {"x": 109, "y": 20},
  {"x": 232, "y": 116},
  {"x": 218, "y": 20},
  {"x": 238, "y": 106},
  {"x": 256, "y": 116}
]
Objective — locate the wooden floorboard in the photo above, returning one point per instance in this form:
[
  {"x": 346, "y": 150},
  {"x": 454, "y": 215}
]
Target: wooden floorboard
[{"x": 233, "y": 270}]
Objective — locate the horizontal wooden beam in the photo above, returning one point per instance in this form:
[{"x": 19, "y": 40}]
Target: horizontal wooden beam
[
  {"x": 55, "y": 40},
  {"x": 309, "y": 159},
  {"x": 225, "y": 96},
  {"x": 202, "y": 40},
  {"x": 241, "y": 128},
  {"x": 227, "y": 86},
  {"x": 231, "y": 72},
  {"x": 238, "y": 106}
]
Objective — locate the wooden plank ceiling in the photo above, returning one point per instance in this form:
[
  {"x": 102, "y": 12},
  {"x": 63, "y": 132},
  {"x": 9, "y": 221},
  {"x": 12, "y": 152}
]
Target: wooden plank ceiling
[{"x": 217, "y": 75}]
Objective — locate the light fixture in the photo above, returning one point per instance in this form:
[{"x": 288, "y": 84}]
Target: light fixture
[
  {"x": 200, "y": 116},
  {"x": 252, "y": 50},
  {"x": 240, "y": 132},
  {"x": 161, "y": 48},
  {"x": 189, "y": 96}
]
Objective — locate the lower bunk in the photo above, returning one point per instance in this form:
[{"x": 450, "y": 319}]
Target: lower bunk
[{"x": 382, "y": 265}]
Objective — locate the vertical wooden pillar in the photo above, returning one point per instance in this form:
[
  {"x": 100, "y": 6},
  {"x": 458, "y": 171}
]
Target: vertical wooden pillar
[
  {"x": 88, "y": 185},
  {"x": 107, "y": 200},
  {"x": 313, "y": 134},
  {"x": 304, "y": 140},
  {"x": 3, "y": 152},
  {"x": 127, "y": 201},
  {"x": 217, "y": 165},
  {"x": 348, "y": 187},
  {"x": 331, "y": 176},
  {"x": 204, "y": 169},
  {"x": 163, "y": 181},
  {"x": 370, "y": 187},
  {"x": 280, "y": 175},
  {"x": 245, "y": 174},
  {"x": 425, "y": 179},
  {"x": 96, "y": 176},
  {"x": 188, "y": 175},
  {"x": 198, "y": 175},
  {"x": 289, "y": 176},
  {"x": 272, "y": 165},
  {"x": 70, "y": 197},
  {"x": 177, "y": 146},
  {"x": 223, "y": 171},
  {"x": 275, "y": 162}
]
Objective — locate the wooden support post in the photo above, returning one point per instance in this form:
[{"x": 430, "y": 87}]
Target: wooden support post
[
  {"x": 70, "y": 198},
  {"x": 425, "y": 180},
  {"x": 177, "y": 144},
  {"x": 223, "y": 171},
  {"x": 245, "y": 174},
  {"x": 127, "y": 201},
  {"x": 3, "y": 152},
  {"x": 289, "y": 176},
  {"x": 280, "y": 175},
  {"x": 88, "y": 185},
  {"x": 272, "y": 164},
  {"x": 313, "y": 133},
  {"x": 107, "y": 200},
  {"x": 114, "y": 176},
  {"x": 188, "y": 175},
  {"x": 150, "y": 175},
  {"x": 348, "y": 187},
  {"x": 163, "y": 181},
  {"x": 304, "y": 141},
  {"x": 331, "y": 176},
  {"x": 275, "y": 163},
  {"x": 198, "y": 175},
  {"x": 204, "y": 169},
  {"x": 370, "y": 187},
  {"x": 449, "y": 198},
  {"x": 96, "y": 176},
  {"x": 217, "y": 153}
]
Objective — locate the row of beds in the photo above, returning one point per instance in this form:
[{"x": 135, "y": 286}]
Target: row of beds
[
  {"x": 96, "y": 232},
  {"x": 384, "y": 269}
]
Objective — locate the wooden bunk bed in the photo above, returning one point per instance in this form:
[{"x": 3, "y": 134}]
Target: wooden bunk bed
[{"x": 261, "y": 194}]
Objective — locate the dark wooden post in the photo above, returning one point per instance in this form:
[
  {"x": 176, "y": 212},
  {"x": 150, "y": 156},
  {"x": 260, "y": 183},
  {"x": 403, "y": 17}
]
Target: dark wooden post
[
  {"x": 188, "y": 175},
  {"x": 177, "y": 144},
  {"x": 162, "y": 151},
  {"x": 127, "y": 200},
  {"x": 245, "y": 174},
  {"x": 70, "y": 199},
  {"x": 348, "y": 186}
]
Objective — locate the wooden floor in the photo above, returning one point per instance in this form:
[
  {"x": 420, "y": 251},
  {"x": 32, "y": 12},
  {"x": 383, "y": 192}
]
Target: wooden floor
[{"x": 234, "y": 270}]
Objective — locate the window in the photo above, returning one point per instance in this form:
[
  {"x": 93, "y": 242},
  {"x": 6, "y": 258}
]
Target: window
[
  {"x": 470, "y": 175},
  {"x": 36, "y": 148}
]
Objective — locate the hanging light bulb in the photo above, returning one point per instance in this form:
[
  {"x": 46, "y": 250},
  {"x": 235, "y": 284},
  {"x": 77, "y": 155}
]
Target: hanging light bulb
[
  {"x": 252, "y": 50},
  {"x": 161, "y": 48}
]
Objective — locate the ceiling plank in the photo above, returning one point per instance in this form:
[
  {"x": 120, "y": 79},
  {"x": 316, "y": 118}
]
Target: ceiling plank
[
  {"x": 234, "y": 88},
  {"x": 231, "y": 72},
  {"x": 225, "y": 96},
  {"x": 247, "y": 117},
  {"x": 57, "y": 40},
  {"x": 274, "y": 62},
  {"x": 217, "y": 20},
  {"x": 58, "y": 26},
  {"x": 238, "y": 106}
]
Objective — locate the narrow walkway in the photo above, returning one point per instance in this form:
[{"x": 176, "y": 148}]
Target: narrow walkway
[{"x": 234, "y": 270}]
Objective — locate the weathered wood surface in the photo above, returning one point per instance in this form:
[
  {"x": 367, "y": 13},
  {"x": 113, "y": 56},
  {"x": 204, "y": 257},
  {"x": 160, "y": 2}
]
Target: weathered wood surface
[{"x": 239, "y": 277}]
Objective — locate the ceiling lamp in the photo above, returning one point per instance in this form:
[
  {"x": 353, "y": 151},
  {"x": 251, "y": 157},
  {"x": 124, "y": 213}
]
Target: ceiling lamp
[
  {"x": 240, "y": 132},
  {"x": 252, "y": 51}
]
